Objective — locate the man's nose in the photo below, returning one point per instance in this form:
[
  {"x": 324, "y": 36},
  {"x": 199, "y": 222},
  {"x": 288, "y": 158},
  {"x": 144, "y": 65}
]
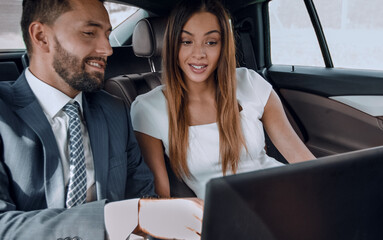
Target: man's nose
[{"x": 103, "y": 47}]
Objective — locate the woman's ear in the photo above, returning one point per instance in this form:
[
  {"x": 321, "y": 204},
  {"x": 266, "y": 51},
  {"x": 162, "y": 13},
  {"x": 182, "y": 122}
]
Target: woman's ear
[{"x": 39, "y": 38}]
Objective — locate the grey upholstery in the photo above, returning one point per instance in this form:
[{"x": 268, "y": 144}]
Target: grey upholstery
[
  {"x": 147, "y": 40},
  {"x": 148, "y": 37}
]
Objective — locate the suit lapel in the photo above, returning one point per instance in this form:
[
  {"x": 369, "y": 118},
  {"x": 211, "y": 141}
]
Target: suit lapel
[
  {"x": 32, "y": 114},
  {"x": 99, "y": 140}
]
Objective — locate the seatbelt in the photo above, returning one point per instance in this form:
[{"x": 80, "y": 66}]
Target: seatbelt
[
  {"x": 245, "y": 28},
  {"x": 248, "y": 50}
]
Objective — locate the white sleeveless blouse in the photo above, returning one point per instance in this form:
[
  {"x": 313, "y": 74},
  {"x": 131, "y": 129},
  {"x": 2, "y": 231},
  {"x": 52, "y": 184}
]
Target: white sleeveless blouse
[{"x": 149, "y": 116}]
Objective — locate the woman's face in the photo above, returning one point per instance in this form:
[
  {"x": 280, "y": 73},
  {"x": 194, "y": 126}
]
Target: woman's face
[{"x": 200, "y": 47}]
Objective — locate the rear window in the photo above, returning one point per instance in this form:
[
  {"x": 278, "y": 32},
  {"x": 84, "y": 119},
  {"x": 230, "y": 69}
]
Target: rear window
[
  {"x": 10, "y": 16},
  {"x": 10, "y": 31}
]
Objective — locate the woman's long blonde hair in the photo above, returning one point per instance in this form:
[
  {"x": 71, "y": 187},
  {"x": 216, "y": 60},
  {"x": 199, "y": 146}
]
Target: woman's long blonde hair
[{"x": 230, "y": 132}]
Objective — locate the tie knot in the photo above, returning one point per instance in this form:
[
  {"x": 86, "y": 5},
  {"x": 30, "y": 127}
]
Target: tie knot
[{"x": 72, "y": 109}]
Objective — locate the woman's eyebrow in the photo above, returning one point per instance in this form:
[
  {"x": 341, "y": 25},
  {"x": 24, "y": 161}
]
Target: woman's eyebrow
[
  {"x": 188, "y": 33},
  {"x": 210, "y": 32}
]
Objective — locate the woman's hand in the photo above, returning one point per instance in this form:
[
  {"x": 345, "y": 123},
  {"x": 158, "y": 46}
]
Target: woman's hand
[{"x": 171, "y": 218}]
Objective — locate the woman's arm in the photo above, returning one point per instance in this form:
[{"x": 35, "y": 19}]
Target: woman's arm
[
  {"x": 281, "y": 132},
  {"x": 153, "y": 153}
]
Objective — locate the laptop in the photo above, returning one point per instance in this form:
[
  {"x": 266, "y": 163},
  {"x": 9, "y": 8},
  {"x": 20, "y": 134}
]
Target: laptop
[{"x": 334, "y": 197}]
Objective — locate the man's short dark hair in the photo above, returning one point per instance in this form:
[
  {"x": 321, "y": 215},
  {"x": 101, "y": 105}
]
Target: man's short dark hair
[{"x": 44, "y": 11}]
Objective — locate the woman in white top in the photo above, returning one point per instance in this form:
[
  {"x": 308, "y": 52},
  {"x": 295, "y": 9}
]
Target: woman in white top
[{"x": 209, "y": 116}]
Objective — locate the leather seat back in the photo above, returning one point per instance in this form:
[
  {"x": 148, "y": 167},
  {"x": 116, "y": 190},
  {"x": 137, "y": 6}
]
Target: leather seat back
[{"x": 147, "y": 43}]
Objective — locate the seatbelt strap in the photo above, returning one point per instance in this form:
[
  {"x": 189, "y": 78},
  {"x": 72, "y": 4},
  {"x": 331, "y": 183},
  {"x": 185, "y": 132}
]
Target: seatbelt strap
[{"x": 248, "y": 50}]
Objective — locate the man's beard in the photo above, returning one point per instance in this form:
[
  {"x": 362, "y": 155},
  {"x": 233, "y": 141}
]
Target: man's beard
[{"x": 72, "y": 69}]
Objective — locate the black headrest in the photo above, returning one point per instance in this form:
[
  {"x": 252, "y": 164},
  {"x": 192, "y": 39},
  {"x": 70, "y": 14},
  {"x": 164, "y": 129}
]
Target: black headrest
[
  {"x": 148, "y": 37},
  {"x": 8, "y": 71}
]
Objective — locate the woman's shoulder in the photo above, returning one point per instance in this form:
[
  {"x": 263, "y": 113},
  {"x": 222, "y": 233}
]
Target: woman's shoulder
[
  {"x": 154, "y": 98},
  {"x": 147, "y": 113},
  {"x": 251, "y": 85},
  {"x": 245, "y": 75},
  {"x": 247, "y": 78}
]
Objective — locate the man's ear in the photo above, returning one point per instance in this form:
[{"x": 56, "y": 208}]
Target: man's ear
[{"x": 38, "y": 33}]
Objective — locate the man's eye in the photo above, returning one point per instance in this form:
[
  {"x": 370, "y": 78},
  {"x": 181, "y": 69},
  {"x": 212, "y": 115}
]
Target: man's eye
[{"x": 89, "y": 33}]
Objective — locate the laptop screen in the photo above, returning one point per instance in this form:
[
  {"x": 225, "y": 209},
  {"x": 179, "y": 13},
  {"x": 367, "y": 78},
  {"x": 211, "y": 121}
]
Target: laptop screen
[{"x": 335, "y": 197}]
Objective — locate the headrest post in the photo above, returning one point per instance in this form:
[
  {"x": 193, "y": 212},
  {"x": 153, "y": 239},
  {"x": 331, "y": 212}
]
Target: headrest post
[{"x": 151, "y": 64}]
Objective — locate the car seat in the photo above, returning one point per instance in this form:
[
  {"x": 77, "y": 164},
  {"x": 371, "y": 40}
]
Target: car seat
[{"x": 147, "y": 43}]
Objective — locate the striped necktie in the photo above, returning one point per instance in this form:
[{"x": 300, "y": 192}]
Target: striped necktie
[{"x": 76, "y": 193}]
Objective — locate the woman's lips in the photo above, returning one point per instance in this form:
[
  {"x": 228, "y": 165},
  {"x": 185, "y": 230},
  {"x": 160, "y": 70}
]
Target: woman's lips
[{"x": 198, "y": 68}]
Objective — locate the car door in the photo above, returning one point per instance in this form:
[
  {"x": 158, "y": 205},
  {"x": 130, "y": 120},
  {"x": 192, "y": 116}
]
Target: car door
[{"x": 325, "y": 60}]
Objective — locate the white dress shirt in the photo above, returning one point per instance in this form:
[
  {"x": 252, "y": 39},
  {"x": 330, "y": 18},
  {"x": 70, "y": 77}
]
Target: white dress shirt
[
  {"x": 120, "y": 218},
  {"x": 52, "y": 101}
]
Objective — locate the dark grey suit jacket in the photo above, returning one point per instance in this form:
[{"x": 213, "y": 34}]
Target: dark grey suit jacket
[{"x": 32, "y": 194}]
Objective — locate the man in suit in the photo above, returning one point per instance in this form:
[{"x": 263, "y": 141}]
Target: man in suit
[{"x": 41, "y": 164}]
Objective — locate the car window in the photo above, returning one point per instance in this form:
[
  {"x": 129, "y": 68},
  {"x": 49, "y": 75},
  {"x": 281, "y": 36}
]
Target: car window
[
  {"x": 353, "y": 31},
  {"x": 10, "y": 31},
  {"x": 292, "y": 37},
  {"x": 10, "y": 15},
  {"x": 118, "y": 12}
]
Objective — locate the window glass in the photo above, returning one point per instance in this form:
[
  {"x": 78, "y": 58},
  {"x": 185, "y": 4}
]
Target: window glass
[
  {"x": 10, "y": 31},
  {"x": 118, "y": 12},
  {"x": 354, "y": 32},
  {"x": 293, "y": 40},
  {"x": 10, "y": 15}
]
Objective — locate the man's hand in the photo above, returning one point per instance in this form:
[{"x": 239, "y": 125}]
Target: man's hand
[{"x": 171, "y": 218}]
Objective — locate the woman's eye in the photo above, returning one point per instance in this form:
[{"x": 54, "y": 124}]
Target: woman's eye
[
  {"x": 186, "y": 42},
  {"x": 212, "y": 43}
]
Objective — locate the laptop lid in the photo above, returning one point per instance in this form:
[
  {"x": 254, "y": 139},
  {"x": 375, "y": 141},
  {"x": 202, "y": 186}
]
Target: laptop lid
[{"x": 335, "y": 197}]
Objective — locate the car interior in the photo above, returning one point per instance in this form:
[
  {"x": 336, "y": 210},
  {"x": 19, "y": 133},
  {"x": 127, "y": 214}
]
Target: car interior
[
  {"x": 326, "y": 126},
  {"x": 337, "y": 113},
  {"x": 310, "y": 95}
]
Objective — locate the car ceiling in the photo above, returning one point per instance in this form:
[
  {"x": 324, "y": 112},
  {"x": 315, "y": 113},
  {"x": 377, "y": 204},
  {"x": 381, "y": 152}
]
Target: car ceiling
[{"x": 163, "y": 7}]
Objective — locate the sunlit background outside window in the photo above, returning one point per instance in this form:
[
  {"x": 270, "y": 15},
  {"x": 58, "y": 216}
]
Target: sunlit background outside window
[
  {"x": 10, "y": 32},
  {"x": 118, "y": 12},
  {"x": 293, "y": 39},
  {"x": 10, "y": 15},
  {"x": 353, "y": 30}
]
